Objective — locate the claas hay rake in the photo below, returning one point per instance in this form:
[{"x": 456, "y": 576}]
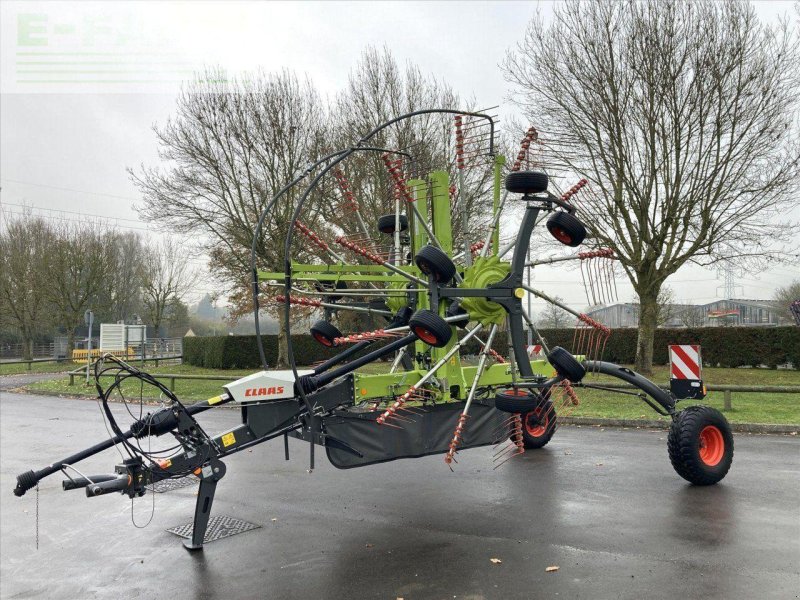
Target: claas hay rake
[{"x": 446, "y": 291}]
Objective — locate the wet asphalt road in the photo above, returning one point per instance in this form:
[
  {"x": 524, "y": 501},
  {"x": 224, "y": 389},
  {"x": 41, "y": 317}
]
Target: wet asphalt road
[{"x": 605, "y": 506}]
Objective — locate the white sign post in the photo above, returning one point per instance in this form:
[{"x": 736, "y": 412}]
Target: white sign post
[{"x": 88, "y": 316}]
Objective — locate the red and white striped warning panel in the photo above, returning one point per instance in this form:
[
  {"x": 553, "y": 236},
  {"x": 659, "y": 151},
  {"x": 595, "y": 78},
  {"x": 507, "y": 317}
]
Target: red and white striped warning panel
[
  {"x": 684, "y": 361},
  {"x": 534, "y": 350}
]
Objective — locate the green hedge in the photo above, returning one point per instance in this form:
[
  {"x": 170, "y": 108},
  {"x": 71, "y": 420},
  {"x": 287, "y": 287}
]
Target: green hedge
[
  {"x": 721, "y": 346},
  {"x": 241, "y": 351}
]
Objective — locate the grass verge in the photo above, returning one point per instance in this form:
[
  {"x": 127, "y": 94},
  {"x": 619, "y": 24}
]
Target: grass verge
[{"x": 45, "y": 367}]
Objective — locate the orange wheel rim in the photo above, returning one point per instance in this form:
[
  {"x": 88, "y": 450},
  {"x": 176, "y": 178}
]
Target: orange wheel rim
[
  {"x": 712, "y": 445},
  {"x": 425, "y": 335},
  {"x": 561, "y": 235},
  {"x": 322, "y": 339},
  {"x": 536, "y": 429}
]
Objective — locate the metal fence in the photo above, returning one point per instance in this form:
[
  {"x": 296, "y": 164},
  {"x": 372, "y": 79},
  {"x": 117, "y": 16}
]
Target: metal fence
[
  {"x": 13, "y": 353},
  {"x": 727, "y": 390},
  {"x": 16, "y": 351}
]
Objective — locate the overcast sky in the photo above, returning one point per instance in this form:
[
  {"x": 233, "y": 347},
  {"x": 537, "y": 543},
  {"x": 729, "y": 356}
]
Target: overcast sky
[{"x": 83, "y": 83}]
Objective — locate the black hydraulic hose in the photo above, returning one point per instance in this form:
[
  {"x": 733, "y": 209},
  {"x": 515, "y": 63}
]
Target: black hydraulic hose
[
  {"x": 320, "y": 380},
  {"x": 639, "y": 381},
  {"x": 29, "y": 479},
  {"x": 344, "y": 355}
]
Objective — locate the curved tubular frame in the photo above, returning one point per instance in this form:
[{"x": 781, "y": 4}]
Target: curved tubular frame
[
  {"x": 257, "y": 232},
  {"x": 664, "y": 398}
]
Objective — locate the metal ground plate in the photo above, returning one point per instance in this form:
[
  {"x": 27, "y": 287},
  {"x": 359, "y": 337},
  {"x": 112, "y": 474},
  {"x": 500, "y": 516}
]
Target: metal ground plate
[
  {"x": 169, "y": 485},
  {"x": 219, "y": 527}
]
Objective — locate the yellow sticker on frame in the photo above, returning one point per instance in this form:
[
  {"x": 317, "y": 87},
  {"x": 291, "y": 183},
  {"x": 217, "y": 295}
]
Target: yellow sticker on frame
[{"x": 228, "y": 439}]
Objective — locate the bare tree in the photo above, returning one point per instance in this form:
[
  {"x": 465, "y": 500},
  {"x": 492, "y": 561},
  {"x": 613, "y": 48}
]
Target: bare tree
[
  {"x": 555, "y": 317},
  {"x": 24, "y": 277},
  {"x": 230, "y": 148},
  {"x": 784, "y": 297},
  {"x": 691, "y": 316},
  {"x": 125, "y": 286},
  {"x": 378, "y": 90},
  {"x": 81, "y": 261},
  {"x": 681, "y": 115},
  {"x": 166, "y": 278}
]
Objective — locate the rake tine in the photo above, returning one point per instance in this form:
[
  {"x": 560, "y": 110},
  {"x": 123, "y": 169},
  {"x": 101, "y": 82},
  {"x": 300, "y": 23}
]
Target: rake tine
[{"x": 507, "y": 459}]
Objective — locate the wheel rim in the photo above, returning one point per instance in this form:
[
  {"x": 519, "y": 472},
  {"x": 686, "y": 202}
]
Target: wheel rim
[
  {"x": 322, "y": 339},
  {"x": 561, "y": 235},
  {"x": 536, "y": 428},
  {"x": 712, "y": 445},
  {"x": 425, "y": 335}
]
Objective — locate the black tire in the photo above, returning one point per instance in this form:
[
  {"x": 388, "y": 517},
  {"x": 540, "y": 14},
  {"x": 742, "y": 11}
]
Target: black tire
[
  {"x": 526, "y": 182},
  {"x": 455, "y": 310},
  {"x": 539, "y": 425},
  {"x": 430, "y": 328},
  {"x": 433, "y": 261},
  {"x": 566, "y": 228},
  {"x": 325, "y": 333},
  {"x": 700, "y": 445},
  {"x": 400, "y": 319},
  {"x": 516, "y": 401},
  {"x": 386, "y": 224},
  {"x": 566, "y": 365}
]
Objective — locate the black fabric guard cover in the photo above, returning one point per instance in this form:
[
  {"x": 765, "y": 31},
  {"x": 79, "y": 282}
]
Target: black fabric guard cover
[{"x": 431, "y": 432}]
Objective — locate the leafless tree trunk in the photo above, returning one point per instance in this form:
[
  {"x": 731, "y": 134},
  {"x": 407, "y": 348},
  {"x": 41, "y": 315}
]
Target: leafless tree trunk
[
  {"x": 681, "y": 115},
  {"x": 24, "y": 277},
  {"x": 665, "y": 306}
]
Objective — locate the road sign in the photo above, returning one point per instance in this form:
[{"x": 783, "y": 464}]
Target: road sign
[
  {"x": 534, "y": 350},
  {"x": 685, "y": 366}
]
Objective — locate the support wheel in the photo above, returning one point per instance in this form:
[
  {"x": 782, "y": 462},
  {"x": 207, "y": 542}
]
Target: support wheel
[
  {"x": 566, "y": 365},
  {"x": 566, "y": 228},
  {"x": 526, "y": 182},
  {"x": 433, "y": 261},
  {"x": 515, "y": 401},
  {"x": 386, "y": 224},
  {"x": 430, "y": 328},
  {"x": 539, "y": 425},
  {"x": 700, "y": 445},
  {"x": 325, "y": 333}
]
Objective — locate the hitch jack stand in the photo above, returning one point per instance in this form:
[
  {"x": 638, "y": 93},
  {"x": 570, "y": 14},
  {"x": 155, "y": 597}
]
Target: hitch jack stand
[{"x": 209, "y": 476}]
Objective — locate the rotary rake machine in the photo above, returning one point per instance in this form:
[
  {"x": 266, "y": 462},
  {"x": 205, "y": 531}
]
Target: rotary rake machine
[{"x": 458, "y": 371}]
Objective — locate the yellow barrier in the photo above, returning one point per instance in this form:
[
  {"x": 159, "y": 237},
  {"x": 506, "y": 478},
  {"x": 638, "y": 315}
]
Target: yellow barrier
[{"x": 84, "y": 356}]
